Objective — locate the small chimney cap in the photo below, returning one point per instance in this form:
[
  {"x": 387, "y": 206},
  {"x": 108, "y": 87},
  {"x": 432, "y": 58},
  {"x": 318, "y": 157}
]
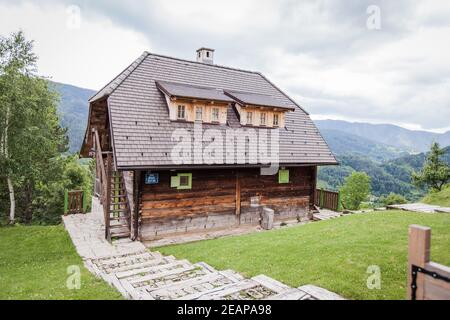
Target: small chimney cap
[{"x": 204, "y": 48}]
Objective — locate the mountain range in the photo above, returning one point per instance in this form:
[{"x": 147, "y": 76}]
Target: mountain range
[
  {"x": 387, "y": 153},
  {"x": 413, "y": 141}
]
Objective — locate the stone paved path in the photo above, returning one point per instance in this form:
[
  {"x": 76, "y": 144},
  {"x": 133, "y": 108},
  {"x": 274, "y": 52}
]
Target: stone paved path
[
  {"x": 143, "y": 275},
  {"x": 420, "y": 207}
]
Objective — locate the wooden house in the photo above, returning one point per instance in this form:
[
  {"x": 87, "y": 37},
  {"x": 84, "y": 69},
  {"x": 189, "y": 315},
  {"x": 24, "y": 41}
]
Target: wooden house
[{"x": 148, "y": 193}]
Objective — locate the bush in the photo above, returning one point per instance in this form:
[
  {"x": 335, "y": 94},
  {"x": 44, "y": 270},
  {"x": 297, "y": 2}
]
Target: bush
[
  {"x": 393, "y": 198},
  {"x": 355, "y": 190}
]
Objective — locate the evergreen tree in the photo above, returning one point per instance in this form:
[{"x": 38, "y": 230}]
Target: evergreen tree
[{"x": 435, "y": 172}]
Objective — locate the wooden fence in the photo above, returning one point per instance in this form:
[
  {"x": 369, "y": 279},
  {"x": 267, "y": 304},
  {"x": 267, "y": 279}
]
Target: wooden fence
[
  {"x": 426, "y": 280},
  {"x": 75, "y": 201},
  {"x": 327, "y": 199}
]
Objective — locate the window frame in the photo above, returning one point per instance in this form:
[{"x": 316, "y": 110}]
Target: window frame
[
  {"x": 249, "y": 115},
  {"x": 263, "y": 115},
  {"x": 212, "y": 114},
  {"x": 276, "y": 116},
  {"x": 183, "y": 107},
  {"x": 201, "y": 113}
]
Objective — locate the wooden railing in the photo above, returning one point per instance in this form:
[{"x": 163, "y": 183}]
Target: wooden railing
[
  {"x": 327, "y": 199},
  {"x": 104, "y": 178},
  {"x": 426, "y": 280}
]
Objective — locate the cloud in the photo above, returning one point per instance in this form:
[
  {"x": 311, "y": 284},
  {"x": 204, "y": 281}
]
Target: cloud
[{"x": 320, "y": 52}]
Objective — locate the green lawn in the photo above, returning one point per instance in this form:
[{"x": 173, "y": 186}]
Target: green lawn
[
  {"x": 333, "y": 254},
  {"x": 33, "y": 265},
  {"x": 441, "y": 198}
]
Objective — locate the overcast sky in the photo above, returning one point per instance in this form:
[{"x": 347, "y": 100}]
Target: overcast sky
[{"x": 336, "y": 58}]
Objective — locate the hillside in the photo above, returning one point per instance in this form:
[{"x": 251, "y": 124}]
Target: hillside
[
  {"x": 343, "y": 143},
  {"x": 73, "y": 108},
  {"x": 390, "y": 176},
  {"x": 411, "y": 140},
  {"x": 441, "y": 198}
]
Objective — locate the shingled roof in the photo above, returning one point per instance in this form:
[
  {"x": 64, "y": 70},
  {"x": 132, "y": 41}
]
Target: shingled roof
[
  {"x": 141, "y": 128},
  {"x": 245, "y": 98},
  {"x": 193, "y": 92}
]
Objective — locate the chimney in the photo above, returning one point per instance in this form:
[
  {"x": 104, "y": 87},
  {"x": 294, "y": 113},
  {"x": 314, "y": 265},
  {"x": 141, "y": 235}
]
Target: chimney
[{"x": 205, "y": 55}]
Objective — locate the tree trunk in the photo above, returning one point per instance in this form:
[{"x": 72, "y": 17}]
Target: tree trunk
[{"x": 12, "y": 199}]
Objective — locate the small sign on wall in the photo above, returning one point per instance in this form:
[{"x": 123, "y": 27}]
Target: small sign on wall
[{"x": 151, "y": 178}]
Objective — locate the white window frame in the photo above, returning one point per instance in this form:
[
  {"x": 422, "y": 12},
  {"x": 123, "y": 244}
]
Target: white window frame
[
  {"x": 198, "y": 113},
  {"x": 262, "y": 116},
  {"x": 181, "y": 108},
  {"x": 277, "y": 117},
  {"x": 249, "y": 117},
  {"x": 213, "y": 112}
]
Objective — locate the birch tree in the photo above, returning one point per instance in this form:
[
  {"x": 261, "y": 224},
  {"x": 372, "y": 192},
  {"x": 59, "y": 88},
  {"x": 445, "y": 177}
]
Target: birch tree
[{"x": 30, "y": 136}]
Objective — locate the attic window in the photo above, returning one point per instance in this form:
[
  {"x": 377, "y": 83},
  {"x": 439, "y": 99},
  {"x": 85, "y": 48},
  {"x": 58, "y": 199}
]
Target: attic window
[
  {"x": 181, "y": 114},
  {"x": 215, "y": 115},
  {"x": 263, "y": 119},
  {"x": 249, "y": 118},
  {"x": 275, "y": 120},
  {"x": 198, "y": 113},
  {"x": 207, "y": 54}
]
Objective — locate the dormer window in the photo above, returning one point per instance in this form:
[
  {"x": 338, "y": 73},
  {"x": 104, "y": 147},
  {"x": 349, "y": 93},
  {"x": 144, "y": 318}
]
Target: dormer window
[
  {"x": 198, "y": 113},
  {"x": 249, "y": 118},
  {"x": 262, "y": 119},
  {"x": 181, "y": 114},
  {"x": 276, "y": 120},
  {"x": 215, "y": 115}
]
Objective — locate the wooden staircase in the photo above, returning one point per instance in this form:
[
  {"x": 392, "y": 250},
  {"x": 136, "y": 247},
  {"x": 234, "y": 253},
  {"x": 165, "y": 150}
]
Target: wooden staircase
[
  {"x": 119, "y": 210},
  {"x": 112, "y": 193}
]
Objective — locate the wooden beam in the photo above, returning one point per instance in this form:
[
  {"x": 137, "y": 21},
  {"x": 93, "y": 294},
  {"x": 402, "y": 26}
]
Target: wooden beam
[
  {"x": 238, "y": 194},
  {"x": 418, "y": 255},
  {"x": 137, "y": 203}
]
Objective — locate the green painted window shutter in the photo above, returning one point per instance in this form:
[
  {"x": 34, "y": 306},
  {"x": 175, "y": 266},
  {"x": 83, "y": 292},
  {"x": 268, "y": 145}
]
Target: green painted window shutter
[
  {"x": 184, "y": 181},
  {"x": 283, "y": 176},
  {"x": 174, "y": 181}
]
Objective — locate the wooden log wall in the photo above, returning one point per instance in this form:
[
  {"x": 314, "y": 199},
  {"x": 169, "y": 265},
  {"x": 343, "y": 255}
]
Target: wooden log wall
[{"x": 221, "y": 199}]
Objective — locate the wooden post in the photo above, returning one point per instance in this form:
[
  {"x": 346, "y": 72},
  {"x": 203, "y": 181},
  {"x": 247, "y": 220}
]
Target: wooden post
[
  {"x": 66, "y": 201},
  {"x": 238, "y": 194},
  {"x": 108, "y": 197},
  {"x": 418, "y": 255},
  {"x": 137, "y": 203},
  {"x": 84, "y": 195}
]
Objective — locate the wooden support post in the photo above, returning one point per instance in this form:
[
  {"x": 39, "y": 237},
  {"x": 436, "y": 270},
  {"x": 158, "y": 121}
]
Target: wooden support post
[
  {"x": 66, "y": 201},
  {"x": 238, "y": 194},
  {"x": 107, "y": 204},
  {"x": 137, "y": 203},
  {"x": 84, "y": 195},
  {"x": 418, "y": 255}
]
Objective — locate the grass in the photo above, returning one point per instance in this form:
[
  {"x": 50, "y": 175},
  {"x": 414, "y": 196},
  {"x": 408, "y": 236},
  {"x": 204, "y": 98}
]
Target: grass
[
  {"x": 34, "y": 262},
  {"x": 333, "y": 254},
  {"x": 441, "y": 198}
]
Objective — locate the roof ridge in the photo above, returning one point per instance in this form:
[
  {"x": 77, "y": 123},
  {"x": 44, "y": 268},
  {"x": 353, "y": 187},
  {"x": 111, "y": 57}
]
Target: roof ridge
[
  {"x": 201, "y": 63},
  {"x": 189, "y": 85}
]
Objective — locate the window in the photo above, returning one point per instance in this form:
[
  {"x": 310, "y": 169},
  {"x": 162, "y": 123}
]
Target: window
[
  {"x": 283, "y": 176},
  {"x": 207, "y": 54},
  {"x": 250, "y": 118},
  {"x": 181, "y": 181},
  {"x": 215, "y": 115},
  {"x": 181, "y": 112},
  {"x": 263, "y": 119},
  {"x": 275, "y": 120},
  {"x": 198, "y": 113}
]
